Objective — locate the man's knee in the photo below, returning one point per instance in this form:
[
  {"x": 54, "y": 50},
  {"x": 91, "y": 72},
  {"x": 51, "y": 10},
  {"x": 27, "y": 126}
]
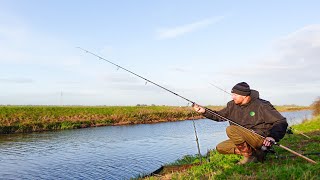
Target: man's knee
[
  {"x": 224, "y": 149},
  {"x": 231, "y": 130},
  {"x": 219, "y": 149}
]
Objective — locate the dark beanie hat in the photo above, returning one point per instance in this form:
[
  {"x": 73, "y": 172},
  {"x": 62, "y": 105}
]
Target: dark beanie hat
[{"x": 241, "y": 88}]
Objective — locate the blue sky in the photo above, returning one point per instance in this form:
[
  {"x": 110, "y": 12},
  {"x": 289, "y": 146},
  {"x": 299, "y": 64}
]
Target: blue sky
[{"x": 182, "y": 45}]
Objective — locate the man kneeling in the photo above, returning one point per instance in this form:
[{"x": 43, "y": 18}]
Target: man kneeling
[{"x": 258, "y": 119}]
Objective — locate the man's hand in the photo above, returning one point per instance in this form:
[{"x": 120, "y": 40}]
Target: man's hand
[
  {"x": 198, "y": 108},
  {"x": 268, "y": 141}
]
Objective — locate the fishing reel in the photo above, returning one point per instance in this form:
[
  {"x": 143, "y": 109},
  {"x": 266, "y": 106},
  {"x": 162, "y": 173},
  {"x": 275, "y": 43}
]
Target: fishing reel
[
  {"x": 289, "y": 130},
  {"x": 268, "y": 149}
]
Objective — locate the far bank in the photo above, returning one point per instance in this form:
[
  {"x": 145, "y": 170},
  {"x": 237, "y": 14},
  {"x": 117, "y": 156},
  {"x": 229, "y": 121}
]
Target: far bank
[{"x": 24, "y": 119}]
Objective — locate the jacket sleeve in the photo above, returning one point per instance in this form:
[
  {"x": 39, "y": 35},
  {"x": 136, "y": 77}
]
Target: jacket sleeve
[
  {"x": 210, "y": 114},
  {"x": 279, "y": 123},
  {"x": 279, "y": 129}
]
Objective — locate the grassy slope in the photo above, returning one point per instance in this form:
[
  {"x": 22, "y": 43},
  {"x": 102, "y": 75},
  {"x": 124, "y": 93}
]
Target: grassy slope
[{"x": 286, "y": 166}]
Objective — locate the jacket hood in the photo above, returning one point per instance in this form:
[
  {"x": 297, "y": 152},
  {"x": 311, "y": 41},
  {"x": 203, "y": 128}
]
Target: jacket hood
[{"x": 254, "y": 94}]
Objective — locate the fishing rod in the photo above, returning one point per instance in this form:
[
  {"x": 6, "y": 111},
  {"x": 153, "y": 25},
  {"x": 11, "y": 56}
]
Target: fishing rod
[
  {"x": 198, "y": 146},
  {"x": 193, "y": 103},
  {"x": 147, "y": 80},
  {"x": 220, "y": 88},
  {"x": 273, "y": 142},
  {"x": 263, "y": 147},
  {"x": 231, "y": 94}
]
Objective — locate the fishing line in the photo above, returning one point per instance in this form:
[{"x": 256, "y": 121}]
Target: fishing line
[
  {"x": 147, "y": 80},
  {"x": 220, "y": 89},
  {"x": 193, "y": 103}
]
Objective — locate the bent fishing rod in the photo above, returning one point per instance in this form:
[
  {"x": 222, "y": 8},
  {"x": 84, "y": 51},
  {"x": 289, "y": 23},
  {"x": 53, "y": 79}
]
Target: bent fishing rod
[{"x": 193, "y": 103}]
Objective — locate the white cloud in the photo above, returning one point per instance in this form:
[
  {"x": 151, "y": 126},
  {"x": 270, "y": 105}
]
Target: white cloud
[
  {"x": 16, "y": 80},
  {"x": 173, "y": 32},
  {"x": 296, "y": 54},
  {"x": 308, "y": 34},
  {"x": 291, "y": 69}
]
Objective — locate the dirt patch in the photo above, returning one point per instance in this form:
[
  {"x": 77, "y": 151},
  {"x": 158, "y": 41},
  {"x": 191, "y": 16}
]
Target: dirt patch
[{"x": 165, "y": 172}]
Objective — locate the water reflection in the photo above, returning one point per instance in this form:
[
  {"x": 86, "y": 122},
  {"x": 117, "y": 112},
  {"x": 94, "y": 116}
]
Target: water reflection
[{"x": 117, "y": 152}]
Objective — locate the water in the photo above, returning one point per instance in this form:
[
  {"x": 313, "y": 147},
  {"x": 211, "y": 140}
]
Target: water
[
  {"x": 297, "y": 117},
  {"x": 115, "y": 152}
]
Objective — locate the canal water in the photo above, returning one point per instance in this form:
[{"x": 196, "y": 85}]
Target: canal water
[{"x": 113, "y": 152}]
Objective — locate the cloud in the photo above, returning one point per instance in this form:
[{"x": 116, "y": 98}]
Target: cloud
[
  {"x": 173, "y": 32},
  {"x": 308, "y": 35},
  {"x": 16, "y": 80},
  {"x": 291, "y": 69},
  {"x": 296, "y": 54},
  {"x": 180, "y": 69},
  {"x": 21, "y": 44}
]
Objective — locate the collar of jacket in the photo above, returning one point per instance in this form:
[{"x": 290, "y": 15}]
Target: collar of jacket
[{"x": 254, "y": 95}]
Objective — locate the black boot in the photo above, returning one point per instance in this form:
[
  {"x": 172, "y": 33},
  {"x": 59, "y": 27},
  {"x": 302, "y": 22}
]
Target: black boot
[{"x": 260, "y": 155}]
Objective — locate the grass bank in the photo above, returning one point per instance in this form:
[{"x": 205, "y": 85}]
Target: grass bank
[
  {"x": 287, "y": 108},
  {"x": 17, "y": 119},
  {"x": 283, "y": 166}
]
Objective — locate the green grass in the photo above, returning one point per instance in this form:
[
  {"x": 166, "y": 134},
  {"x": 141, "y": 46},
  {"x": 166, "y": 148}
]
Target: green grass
[
  {"x": 286, "y": 108},
  {"x": 17, "y": 119},
  {"x": 283, "y": 166},
  {"x": 308, "y": 126}
]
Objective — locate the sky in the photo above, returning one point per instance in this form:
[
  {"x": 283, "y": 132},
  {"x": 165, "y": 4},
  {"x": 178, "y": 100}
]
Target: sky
[{"x": 184, "y": 46}]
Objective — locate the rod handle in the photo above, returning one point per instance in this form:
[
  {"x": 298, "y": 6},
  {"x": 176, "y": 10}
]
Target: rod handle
[{"x": 295, "y": 153}]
